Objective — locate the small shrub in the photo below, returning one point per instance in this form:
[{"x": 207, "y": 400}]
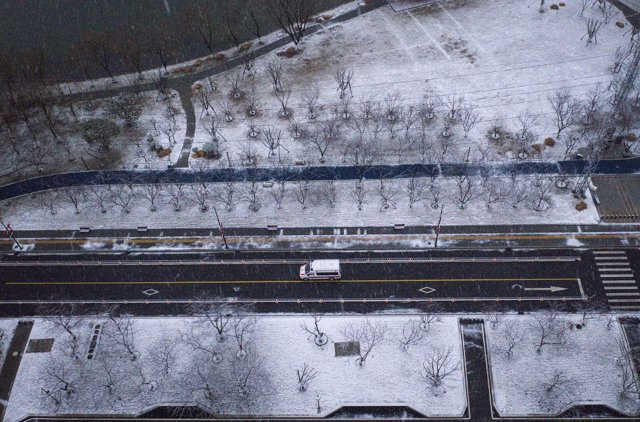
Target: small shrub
[
  {"x": 581, "y": 206},
  {"x": 219, "y": 57},
  {"x": 620, "y": 24},
  {"x": 537, "y": 148},
  {"x": 554, "y": 7},
  {"x": 289, "y": 52},
  {"x": 245, "y": 46},
  {"x": 631, "y": 137},
  {"x": 164, "y": 152},
  {"x": 549, "y": 142},
  {"x": 562, "y": 4}
]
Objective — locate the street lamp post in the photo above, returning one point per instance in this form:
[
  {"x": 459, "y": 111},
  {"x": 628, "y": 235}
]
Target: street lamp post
[
  {"x": 439, "y": 227},
  {"x": 221, "y": 229},
  {"x": 8, "y": 232}
]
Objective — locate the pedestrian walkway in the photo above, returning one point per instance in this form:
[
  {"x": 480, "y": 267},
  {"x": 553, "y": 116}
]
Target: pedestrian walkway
[
  {"x": 620, "y": 287},
  {"x": 12, "y": 362}
]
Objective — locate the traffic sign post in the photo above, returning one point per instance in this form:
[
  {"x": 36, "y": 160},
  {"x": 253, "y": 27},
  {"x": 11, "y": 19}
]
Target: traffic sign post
[
  {"x": 439, "y": 227},
  {"x": 8, "y": 232},
  {"x": 221, "y": 229}
]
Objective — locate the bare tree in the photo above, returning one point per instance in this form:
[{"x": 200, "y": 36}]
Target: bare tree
[
  {"x": 454, "y": 104},
  {"x": 64, "y": 317},
  {"x": 343, "y": 78},
  {"x": 121, "y": 331},
  {"x": 387, "y": 196},
  {"x": 176, "y": 195},
  {"x": 274, "y": 70},
  {"x": 61, "y": 381},
  {"x": 152, "y": 192},
  {"x": 467, "y": 190},
  {"x": 310, "y": 99},
  {"x": 593, "y": 26},
  {"x": 468, "y": 118},
  {"x": 519, "y": 191},
  {"x": 416, "y": 190},
  {"x": 541, "y": 195},
  {"x": 248, "y": 153},
  {"x": 324, "y": 137},
  {"x": 319, "y": 337},
  {"x": 360, "y": 193},
  {"x": 199, "y": 194},
  {"x": 301, "y": 193},
  {"x": 242, "y": 328},
  {"x": 100, "y": 131},
  {"x": 163, "y": 355},
  {"x": 283, "y": 96},
  {"x": 368, "y": 334},
  {"x": 439, "y": 366},
  {"x": 121, "y": 195},
  {"x": 251, "y": 194},
  {"x": 566, "y": 109},
  {"x": 74, "y": 196},
  {"x": 429, "y": 315},
  {"x": 271, "y": 139},
  {"x": 278, "y": 193},
  {"x": 306, "y": 374},
  {"x": 225, "y": 193},
  {"x": 550, "y": 329},
  {"x": 512, "y": 337},
  {"x": 99, "y": 195},
  {"x": 556, "y": 390},
  {"x": 411, "y": 335},
  {"x": 291, "y": 16}
]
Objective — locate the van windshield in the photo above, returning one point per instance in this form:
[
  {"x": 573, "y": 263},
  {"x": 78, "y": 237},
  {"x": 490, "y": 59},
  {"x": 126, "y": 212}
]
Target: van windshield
[{"x": 307, "y": 268}]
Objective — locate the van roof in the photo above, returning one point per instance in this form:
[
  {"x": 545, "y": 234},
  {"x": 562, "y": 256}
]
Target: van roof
[{"x": 326, "y": 264}]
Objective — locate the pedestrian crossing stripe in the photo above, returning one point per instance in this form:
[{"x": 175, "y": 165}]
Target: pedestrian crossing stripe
[
  {"x": 620, "y": 288},
  {"x": 624, "y": 294}
]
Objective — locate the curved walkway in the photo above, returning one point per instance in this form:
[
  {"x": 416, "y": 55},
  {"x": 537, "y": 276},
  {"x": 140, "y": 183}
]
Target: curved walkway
[{"x": 110, "y": 177}]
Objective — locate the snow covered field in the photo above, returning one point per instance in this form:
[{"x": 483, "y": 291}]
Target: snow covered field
[
  {"x": 502, "y": 56},
  {"x": 589, "y": 366},
  {"x": 7, "y": 326},
  {"x": 276, "y": 347},
  {"x": 175, "y": 362},
  {"x": 321, "y": 207}
]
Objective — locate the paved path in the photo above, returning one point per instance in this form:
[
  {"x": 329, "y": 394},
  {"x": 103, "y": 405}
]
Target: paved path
[
  {"x": 187, "y": 106},
  {"x": 95, "y": 177},
  {"x": 12, "y": 361}
]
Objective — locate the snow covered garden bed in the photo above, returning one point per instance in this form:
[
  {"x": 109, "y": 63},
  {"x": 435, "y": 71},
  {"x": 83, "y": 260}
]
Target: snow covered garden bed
[
  {"x": 141, "y": 362},
  {"x": 543, "y": 364},
  {"x": 7, "y": 326},
  {"x": 466, "y": 201}
]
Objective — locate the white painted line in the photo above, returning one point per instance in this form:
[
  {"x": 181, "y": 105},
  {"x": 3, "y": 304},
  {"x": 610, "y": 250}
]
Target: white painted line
[
  {"x": 614, "y": 307},
  {"x": 630, "y": 281},
  {"x": 616, "y": 275},
  {"x": 433, "y": 40},
  {"x": 623, "y": 300},
  {"x": 622, "y": 294},
  {"x": 609, "y": 253},
  {"x": 616, "y": 258},
  {"x": 626, "y": 270},
  {"x": 620, "y": 288},
  {"x": 618, "y": 264},
  {"x": 463, "y": 30}
]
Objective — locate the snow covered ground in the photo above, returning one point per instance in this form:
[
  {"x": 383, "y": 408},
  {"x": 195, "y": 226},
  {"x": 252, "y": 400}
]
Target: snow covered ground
[
  {"x": 276, "y": 347},
  {"x": 318, "y": 211},
  {"x": 504, "y": 56},
  {"x": 7, "y": 326},
  {"x": 175, "y": 363},
  {"x": 591, "y": 365}
]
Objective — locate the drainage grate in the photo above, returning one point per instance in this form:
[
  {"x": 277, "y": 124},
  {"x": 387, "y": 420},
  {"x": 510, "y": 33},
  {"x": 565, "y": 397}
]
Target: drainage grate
[{"x": 95, "y": 339}]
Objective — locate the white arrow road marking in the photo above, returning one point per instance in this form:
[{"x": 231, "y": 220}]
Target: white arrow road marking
[
  {"x": 427, "y": 290},
  {"x": 547, "y": 289}
]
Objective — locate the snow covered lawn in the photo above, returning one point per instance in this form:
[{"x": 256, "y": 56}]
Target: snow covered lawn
[
  {"x": 588, "y": 368},
  {"x": 320, "y": 209},
  {"x": 276, "y": 347},
  {"x": 7, "y": 327}
]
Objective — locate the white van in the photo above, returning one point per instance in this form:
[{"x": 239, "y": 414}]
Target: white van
[{"x": 321, "y": 269}]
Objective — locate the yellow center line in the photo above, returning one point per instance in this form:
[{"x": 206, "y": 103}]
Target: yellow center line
[{"x": 426, "y": 280}]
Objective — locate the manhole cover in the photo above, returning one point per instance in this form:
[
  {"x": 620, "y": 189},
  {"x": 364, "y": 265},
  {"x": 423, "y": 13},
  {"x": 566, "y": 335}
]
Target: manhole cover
[{"x": 150, "y": 292}]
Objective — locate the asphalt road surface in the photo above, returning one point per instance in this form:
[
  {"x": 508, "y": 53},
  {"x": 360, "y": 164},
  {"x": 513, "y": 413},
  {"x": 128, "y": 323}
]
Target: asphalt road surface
[{"x": 165, "y": 284}]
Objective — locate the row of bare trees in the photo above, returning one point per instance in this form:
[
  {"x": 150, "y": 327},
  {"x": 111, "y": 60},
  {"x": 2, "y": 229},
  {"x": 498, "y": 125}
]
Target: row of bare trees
[{"x": 514, "y": 191}]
